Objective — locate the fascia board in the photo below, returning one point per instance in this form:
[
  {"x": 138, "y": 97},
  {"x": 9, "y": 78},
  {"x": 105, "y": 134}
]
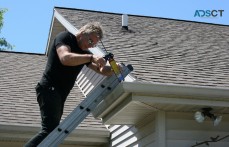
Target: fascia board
[
  {"x": 71, "y": 28},
  {"x": 11, "y": 132},
  {"x": 173, "y": 90},
  {"x": 65, "y": 23},
  {"x": 161, "y": 93}
]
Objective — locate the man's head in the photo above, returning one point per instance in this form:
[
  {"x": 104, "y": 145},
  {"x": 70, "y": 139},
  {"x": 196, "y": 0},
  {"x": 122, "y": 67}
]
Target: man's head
[{"x": 89, "y": 35}]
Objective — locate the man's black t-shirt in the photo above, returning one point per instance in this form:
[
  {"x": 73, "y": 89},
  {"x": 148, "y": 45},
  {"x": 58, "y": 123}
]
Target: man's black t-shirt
[{"x": 57, "y": 75}]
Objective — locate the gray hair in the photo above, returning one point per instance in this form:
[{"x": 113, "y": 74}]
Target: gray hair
[{"x": 92, "y": 27}]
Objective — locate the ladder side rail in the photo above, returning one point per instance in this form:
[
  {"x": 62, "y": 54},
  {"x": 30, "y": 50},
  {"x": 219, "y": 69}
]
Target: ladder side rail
[
  {"x": 60, "y": 132},
  {"x": 74, "y": 114},
  {"x": 77, "y": 116},
  {"x": 60, "y": 136},
  {"x": 83, "y": 106},
  {"x": 98, "y": 99}
]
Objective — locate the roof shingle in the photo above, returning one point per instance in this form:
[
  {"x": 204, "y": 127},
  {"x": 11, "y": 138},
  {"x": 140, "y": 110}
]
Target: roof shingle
[
  {"x": 19, "y": 74},
  {"x": 164, "y": 50}
]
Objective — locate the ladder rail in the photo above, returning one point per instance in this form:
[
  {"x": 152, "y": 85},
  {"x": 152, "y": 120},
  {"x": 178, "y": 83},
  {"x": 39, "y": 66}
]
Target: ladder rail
[
  {"x": 82, "y": 110},
  {"x": 79, "y": 111}
]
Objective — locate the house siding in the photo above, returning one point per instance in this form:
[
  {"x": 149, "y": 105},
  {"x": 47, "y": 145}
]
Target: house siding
[
  {"x": 184, "y": 131},
  {"x": 20, "y": 144},
  {"x": 142, "y": 134},
  {"x": 181, "y": 130}
]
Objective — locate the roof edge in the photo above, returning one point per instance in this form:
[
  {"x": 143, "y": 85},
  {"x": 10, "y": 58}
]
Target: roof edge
[
  {"x": 23, "y": 133},
  {"x": 140, "y": 16},
  {"x": 162, "y": 93},
  {"x": 16, "y": 52},
  {"x": 176, "y": 89}
]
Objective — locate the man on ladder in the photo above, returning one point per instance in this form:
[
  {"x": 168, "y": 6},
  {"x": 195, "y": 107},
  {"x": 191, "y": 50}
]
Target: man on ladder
[{"x": 68, "y": 54}]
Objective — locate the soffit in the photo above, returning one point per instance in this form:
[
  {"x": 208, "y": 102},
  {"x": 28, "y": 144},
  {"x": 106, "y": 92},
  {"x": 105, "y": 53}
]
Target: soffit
[{"x": 131, "y": 102}]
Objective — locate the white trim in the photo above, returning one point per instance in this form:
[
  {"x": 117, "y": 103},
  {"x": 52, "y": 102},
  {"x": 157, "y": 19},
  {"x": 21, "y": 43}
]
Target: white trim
[
  {"x": 12, "y": 132},
  {"x": 49, "y": 37},
  {"x": 149, "y": 93},
  {"x": 160, "y": 129},
  {"x": 165, "y": 100},
  {"x": 145, "y": 105},
  {"x": 173, "y": 90},
  {"x": 65, "y": 23}
]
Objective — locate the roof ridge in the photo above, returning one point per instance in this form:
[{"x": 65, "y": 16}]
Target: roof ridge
[
  {"x": 164, "y": 18},
  {"x": 16, "y": 52}
]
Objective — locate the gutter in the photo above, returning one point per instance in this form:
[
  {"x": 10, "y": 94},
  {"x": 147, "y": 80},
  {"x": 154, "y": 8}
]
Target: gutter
[
  {"x": 92, "y": 136},
  {"x": 200, "y": 92},
  {"x": 128, "y": 92}
]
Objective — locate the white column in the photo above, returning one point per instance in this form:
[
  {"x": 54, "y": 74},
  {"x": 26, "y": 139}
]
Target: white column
[{"x": 160, "y": 129}]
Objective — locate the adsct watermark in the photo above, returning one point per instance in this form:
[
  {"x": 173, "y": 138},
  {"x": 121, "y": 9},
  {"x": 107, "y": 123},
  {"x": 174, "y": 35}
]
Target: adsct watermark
[{"x": 209, "y": 13}]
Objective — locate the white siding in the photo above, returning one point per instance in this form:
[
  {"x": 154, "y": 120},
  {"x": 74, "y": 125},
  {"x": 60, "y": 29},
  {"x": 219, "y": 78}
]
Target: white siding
[
  {"x": 181, "y": 130},
  {"x": 88, "y": 80},
  {"x": 21, "y": 144},
  {"x": 138, "y": 135},
  {"x": 184, "y": 131}
]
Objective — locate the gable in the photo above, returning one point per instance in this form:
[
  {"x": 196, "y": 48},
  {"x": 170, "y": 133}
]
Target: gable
[
  {"x": 163, "y": 50},
  {"x": 166, "y": 52}
]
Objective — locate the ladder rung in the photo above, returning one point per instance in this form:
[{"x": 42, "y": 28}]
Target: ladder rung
[{"x": 82, "y": 110}]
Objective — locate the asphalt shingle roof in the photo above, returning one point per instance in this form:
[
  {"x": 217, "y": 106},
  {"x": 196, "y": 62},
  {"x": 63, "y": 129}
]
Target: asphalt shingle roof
[
  {"x": 19, "y": 74},
  {"x": 160, "y": 50},
  {"x": 164, "y": 50}
]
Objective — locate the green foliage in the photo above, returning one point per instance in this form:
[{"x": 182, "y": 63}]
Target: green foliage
[
  {"x": 4, "y": 45},
  {"x": 2, "y": 11}
]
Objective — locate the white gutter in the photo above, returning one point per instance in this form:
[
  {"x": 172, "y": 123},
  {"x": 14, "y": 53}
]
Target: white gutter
[
  {"x": 24, "y": 133},
  {"x": 128, "y": 92},
  {"x": 171, "y": 90}
]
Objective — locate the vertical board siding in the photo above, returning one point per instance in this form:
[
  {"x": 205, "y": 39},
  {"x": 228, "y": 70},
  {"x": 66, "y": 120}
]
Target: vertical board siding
[
  {"x": 181, "y": 130},
  {"x": 184, "y": 131},
  {"x": 88, "y": 79},
  {"x": 139, "y": 135}
]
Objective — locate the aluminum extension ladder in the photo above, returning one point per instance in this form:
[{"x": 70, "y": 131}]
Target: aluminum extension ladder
[{"x": 83, "y": 110}]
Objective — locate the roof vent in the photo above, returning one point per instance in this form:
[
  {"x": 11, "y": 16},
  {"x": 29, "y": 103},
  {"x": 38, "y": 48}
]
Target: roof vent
[{"x": 125, "y": 21}]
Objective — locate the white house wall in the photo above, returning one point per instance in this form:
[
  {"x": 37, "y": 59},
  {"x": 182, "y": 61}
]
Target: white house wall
[
  {"x": 142, "y": 134},
  {"x": 181, "y": 130},
  {"x": 21, "y": 144}
]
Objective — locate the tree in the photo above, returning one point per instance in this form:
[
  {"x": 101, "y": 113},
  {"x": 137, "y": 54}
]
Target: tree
[{"x": 4, "y": 45}]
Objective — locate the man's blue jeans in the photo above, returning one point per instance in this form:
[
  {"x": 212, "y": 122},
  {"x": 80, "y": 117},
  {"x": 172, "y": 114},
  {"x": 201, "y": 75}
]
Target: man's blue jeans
[{"x": 51, "y": 105}]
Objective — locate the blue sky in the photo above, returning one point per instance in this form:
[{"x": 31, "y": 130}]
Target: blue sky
[{"x": 27, "y": 22}]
